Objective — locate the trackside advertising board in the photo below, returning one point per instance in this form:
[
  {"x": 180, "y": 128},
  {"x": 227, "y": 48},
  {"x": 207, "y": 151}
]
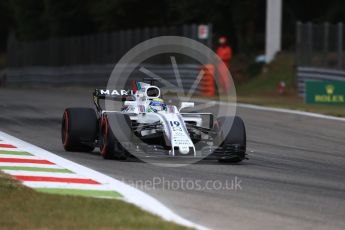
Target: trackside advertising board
[{"x": 325, "y": 92}]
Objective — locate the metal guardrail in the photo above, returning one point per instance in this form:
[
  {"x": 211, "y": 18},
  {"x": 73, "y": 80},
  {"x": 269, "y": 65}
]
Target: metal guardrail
[
  {"x": 93, "y": 49},
  {"x": 319, "y": 53},
  {"x": 95, "y": 75},
  {"x": 316, "y": 74},
  {"x": 84, "y": 60},
  {"x": 58, "y": 76}
]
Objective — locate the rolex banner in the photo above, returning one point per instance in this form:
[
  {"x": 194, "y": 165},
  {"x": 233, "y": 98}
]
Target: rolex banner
[{"x": 325, "y": 92}]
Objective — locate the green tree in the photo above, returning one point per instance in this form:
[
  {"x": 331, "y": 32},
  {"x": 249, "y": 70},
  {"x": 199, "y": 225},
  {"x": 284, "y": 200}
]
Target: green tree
[{"x": 29, "y": 19}]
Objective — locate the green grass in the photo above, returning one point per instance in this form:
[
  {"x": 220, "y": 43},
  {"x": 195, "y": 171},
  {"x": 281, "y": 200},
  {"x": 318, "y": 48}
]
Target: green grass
[
  {"x": 281, "y": 69},
  {"x": 24, "y": 208},
  {"x": 262, "y": 89}
]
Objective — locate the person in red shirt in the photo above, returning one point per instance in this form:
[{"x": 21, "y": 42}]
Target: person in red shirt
[{"x": 224, "y": 52}]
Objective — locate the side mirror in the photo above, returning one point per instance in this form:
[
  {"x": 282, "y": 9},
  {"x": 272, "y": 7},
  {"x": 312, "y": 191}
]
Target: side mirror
[
  {"x": 152, "y": 92},
  {"x": 186, "y": 105}
]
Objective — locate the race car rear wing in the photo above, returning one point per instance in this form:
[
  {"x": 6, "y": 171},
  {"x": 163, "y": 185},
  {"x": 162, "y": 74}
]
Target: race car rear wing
[{"x": 110, "y": 94}]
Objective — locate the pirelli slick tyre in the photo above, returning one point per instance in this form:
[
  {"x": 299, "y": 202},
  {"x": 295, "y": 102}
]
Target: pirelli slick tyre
[
  {"x": 236, "y": 137},
  {"x": 79, "y": 129},
  {"x": 111, "y": 148}
]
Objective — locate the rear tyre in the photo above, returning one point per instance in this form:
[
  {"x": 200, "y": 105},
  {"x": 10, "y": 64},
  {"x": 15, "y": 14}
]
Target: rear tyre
[
  {"x": 236, "y": 136},
  {"x": 79, "y": 129},
  {"x": 110, "y": 148}
]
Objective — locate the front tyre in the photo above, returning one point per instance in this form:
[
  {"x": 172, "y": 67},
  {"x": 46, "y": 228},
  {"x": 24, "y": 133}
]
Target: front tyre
[
  {"x": 235, "y": 140},
  {"x": 79, "y": 129},
  {"x": 110, "y": 147}
]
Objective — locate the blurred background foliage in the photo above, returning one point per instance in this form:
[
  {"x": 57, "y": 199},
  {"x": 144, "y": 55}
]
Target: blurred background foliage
[{"x": 243, "y": 21}]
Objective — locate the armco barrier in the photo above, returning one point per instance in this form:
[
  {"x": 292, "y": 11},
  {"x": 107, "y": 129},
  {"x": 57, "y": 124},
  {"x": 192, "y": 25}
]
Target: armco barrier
[
  {"x": 94, "y": 75},
  {"x": 91, "y": 49},
  {"x": 308, "y": 74}
]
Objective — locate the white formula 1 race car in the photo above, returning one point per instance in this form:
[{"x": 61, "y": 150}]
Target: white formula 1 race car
[{"x": 145, "y": 126}]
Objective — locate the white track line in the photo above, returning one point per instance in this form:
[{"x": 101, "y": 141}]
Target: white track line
[
  {"x": 270, "y": 109},
  {"x": 297, "y": 112},
  {"x": 130, "y": 194}
]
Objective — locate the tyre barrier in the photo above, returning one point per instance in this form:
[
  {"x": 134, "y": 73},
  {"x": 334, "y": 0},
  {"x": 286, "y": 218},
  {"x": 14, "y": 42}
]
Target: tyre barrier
[{"x": 208, "y": 83}]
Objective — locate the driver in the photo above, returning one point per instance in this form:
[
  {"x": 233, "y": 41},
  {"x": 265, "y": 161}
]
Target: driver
[{"x": 156, "y": 105}]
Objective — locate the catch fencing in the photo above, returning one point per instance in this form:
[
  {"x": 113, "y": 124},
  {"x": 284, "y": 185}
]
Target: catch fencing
[
  {"x": 319, "y": 53},
  {"x": 98, "y": 75},
  {"x": 89, "y": 59}
]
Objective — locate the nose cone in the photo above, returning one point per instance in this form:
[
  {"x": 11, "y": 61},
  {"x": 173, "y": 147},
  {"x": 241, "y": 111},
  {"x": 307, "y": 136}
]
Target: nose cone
[{"x": 184, "y": 149}]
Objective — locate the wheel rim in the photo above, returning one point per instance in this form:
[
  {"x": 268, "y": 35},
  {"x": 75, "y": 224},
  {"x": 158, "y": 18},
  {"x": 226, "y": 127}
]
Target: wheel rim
[
  {"x": 105, "y": 136},
  {"x": 64, "y": 131}
]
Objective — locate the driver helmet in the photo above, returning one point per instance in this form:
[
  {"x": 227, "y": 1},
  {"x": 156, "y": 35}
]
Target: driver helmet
[{"x": 157, "y": 104}]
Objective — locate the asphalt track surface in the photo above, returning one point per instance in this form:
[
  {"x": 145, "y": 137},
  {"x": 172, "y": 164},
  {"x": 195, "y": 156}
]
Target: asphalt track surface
[{"x": 295, "y": 178}]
